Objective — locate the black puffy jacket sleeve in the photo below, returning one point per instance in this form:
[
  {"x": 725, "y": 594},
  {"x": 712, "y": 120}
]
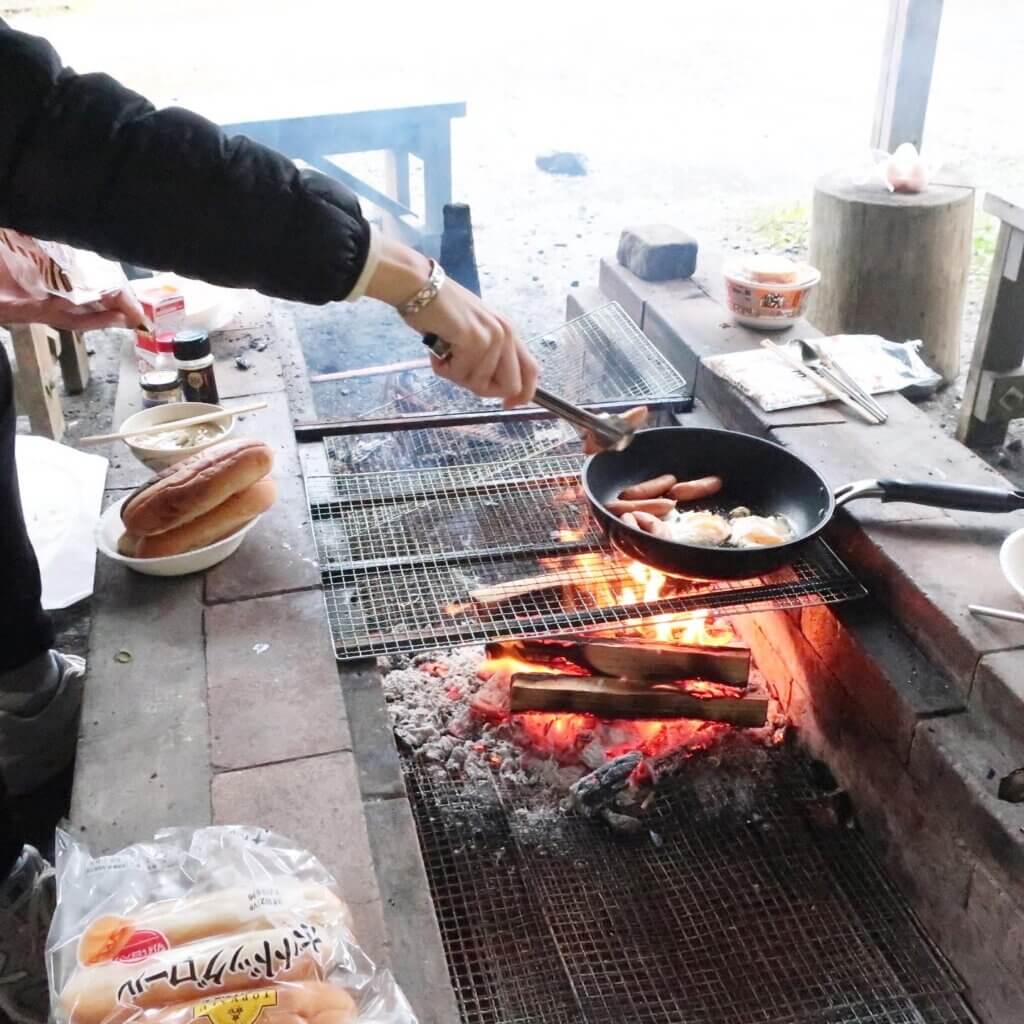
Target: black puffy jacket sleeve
[{"x": 87, "y": 162}]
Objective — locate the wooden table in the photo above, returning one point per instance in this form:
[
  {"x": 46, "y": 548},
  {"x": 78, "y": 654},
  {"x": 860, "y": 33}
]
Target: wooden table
[
  {"x": 423, "y": 131},
  {"x": 995, "y": 383}
]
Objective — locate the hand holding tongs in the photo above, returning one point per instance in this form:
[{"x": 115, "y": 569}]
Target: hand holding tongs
[{"x": 610, "y": 431}]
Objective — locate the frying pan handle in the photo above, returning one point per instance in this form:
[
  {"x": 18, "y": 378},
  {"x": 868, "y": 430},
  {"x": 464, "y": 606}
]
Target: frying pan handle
[{"x": 958, "y": 496}]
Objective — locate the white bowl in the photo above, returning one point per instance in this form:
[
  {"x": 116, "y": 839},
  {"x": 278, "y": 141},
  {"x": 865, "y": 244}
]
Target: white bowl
[
  {"x": 110, "y": 529},
  {"x": 1011, "y": 561},
  {"x": 165, "y": 415}
]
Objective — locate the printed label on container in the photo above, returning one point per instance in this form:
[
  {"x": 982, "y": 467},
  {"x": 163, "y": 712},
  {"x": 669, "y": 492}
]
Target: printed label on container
[
  {"x": 244, "y": 1008},
  {"x": 142, "y": 944}
]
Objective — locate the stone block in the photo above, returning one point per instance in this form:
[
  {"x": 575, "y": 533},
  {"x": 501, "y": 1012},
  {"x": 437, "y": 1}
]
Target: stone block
[
  {"x": 562, "y": 162},
  {"x": 143, "y": 749},
  {"x": 272, "y": 682},
  {"x": 370, "y": 931},
  {"x": 128, "y": 785},
  {"x": 373, "y": 742},
  {"x": 273, "y": 426},
  {"x": 414, "y": 939},
  {"x": 658, "y": 252},
  {"x": 277, "y": 555},
  {"x": 958, "y": 769},
  {"x": 583, "y": 300},
  {"x": 889, "y": 681},
  {"x": 315, "y": 801},
  {"x": 632, "y": 292},
  {"x": 925, "y": 572},
  {"x": 998, "y": 692}
]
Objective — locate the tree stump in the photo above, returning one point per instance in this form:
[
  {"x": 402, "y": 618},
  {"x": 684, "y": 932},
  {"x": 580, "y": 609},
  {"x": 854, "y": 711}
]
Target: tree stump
[{"x": 893, "y": 264}]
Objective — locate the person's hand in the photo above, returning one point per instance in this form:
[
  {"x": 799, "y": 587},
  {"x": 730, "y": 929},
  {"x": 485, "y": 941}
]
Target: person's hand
[
  {"x": 487, "y": 356},
  {"x": 118, "y": 309}
]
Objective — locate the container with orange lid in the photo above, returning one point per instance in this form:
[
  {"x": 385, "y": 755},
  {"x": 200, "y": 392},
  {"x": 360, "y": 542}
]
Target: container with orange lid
[{"x": 768, "y": 292}]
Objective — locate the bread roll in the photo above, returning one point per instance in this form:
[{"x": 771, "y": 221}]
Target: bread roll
[
  {"x": 194, "y": 486},
  {"x": 301, "y": 1002},
  {"x": 218, "y": 523},
  {"x": 224, "y": 912},
  {"x": 199, "y": 970},
  {"x": 770, "y": 269}
]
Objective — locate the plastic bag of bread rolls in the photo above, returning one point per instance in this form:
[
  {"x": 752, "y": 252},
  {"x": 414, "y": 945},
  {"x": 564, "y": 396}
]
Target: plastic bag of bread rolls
[{"x": 221, "y": 925}]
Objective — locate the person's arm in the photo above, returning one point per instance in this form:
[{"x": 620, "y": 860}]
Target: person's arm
[{"x": 85, "y": 161}]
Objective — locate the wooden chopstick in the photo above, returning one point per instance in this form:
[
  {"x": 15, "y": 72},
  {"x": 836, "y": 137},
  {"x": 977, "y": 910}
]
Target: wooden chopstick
[
  {"x": 189, "y": 421},
  {"x": 826, "y": 385},
  {"x": 995, "y": 613}
]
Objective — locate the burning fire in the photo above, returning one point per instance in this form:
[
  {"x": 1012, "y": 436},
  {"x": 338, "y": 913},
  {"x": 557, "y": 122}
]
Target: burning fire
[{"x": 567, "y": 736}]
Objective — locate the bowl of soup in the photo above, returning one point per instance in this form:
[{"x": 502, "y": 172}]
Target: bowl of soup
[{"x": 163, "y": 444}]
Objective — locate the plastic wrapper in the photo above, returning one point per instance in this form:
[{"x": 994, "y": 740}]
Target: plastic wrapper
[
  {"x": 221, "y": 925},
  {"x": 34, "y": 269},
  {"x": 877, "y": 365},
  {"x": 903, "y": 170}
]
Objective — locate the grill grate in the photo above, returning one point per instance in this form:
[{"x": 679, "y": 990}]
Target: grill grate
[
  {"x": 400, "y": 555},
  {"x": 601, "y": 356},
  {"x": 744, "y": 910}
]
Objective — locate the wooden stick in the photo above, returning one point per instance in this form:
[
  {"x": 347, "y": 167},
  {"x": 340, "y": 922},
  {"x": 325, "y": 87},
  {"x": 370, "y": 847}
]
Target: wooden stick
[
  {"x": 818, "y": 380},
  {"x": 633, "y": 658},
  {"x": 629, "y": 698},
  {"x": 996, "y": 613},
  {"x": 370, "y": 371},
  {"x": 495, "y": 593},
  {"x": 189, "y": 421}
]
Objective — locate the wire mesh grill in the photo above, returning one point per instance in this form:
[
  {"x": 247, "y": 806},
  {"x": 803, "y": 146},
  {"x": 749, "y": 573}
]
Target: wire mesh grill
[
  {"x": 601, "y": 356},
  {"x": 742, "y": 910},
  {"x": 407, "y": 561}
]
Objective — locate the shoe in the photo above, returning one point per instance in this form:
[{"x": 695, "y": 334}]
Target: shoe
[
  {"x": 35, "y": 747},
  {"x": 27, "y": 898}
]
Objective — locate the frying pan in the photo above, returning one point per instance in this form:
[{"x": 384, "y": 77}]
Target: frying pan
[{"x": 765, "y": 477}]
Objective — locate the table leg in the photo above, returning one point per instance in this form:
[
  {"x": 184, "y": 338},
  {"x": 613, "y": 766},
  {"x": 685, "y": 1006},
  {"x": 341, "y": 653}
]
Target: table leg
[
  {"x": 994, "y": 394},
  {"x": 35, "y": 354},
  {"x": 74, "y": 362}
]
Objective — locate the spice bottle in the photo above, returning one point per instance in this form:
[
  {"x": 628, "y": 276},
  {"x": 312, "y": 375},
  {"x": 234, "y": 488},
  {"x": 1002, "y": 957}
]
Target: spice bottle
[
  {"x": 159, "y": 380},
  {"x": 160, "y": 387},
  {"x": 195, "y": 366}
]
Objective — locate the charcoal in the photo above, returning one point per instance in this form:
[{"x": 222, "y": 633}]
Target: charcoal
[
  {"x": 598, "y": 790},
  {"x": 625, "y": 823}
]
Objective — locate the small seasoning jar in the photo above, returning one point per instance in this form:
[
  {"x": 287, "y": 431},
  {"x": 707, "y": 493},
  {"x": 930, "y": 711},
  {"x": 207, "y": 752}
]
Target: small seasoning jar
[
  {"x": 194, "y": 360},
  {"x": 160, "y": 387}
]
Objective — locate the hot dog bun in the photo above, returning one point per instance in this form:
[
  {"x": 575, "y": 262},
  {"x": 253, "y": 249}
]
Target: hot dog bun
[
  {"x": 191, "y": 488},
  {"x": 199, "y": 970},
  {"x": 218, "y": 523},
  {"x": 224, "y": 912},
  {"x": 301, "y": 1002}
]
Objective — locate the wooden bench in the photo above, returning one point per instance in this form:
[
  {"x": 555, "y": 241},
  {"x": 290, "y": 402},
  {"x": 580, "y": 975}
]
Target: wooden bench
[
  {"x": 424, "y": 132},
  {"x": 42, "y": 356},
  {"x": 995, "y": 383}
]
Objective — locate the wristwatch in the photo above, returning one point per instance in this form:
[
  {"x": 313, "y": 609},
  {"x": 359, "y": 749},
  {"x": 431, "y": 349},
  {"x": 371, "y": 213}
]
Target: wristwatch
[{"x": 426, "y": 295}]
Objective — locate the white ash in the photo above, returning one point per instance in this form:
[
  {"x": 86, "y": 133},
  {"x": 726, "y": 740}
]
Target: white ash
[{"x": 429, "y": 704}]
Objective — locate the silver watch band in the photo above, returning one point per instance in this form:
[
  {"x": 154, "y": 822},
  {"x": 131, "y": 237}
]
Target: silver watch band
[{"x": 426, "y": 295}]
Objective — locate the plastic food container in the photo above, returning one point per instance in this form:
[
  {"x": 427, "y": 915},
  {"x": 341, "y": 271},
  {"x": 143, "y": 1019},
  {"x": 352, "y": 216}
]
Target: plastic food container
[
  {"x": 768, "y": 305},
  {"x": 162, "y": 417},
  {"x": 110, "y": 529}
]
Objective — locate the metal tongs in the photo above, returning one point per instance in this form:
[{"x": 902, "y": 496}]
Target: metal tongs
[{"x": 610, "y": 431}]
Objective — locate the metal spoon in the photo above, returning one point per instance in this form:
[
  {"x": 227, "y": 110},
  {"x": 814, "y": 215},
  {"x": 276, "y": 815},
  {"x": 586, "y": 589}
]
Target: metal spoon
[
  {"x": 814, "y": 357},
  {"x": 611, "y": 431}
]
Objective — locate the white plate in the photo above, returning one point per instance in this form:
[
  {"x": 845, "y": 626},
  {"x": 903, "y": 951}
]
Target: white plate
[
  {"x": 110, "y": 529},
  {"x": 1011, "y": 561}
]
